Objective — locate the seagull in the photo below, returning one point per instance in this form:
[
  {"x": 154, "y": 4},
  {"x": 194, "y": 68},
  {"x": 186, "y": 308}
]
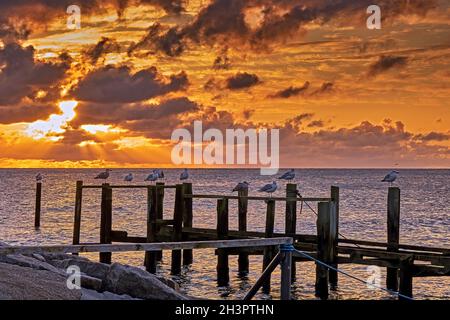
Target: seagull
[
  {"x": 151, "y": 177},
  {"x": 159, "y": 173},
  {"x": 290, "y": 175},
  {"x": 103, "y": 175},
  {"x": 128, "y": 177},
  {"x": 184, "y": 175},
  {"x": 390, "y": 177},
  {"x": 269, "y": 188},
  {"x": 241, "y": 186},
  {"x": 39, "y": 177}
]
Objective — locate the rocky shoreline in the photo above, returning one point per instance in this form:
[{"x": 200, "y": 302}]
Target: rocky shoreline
[{"x": 44, "y": 277}]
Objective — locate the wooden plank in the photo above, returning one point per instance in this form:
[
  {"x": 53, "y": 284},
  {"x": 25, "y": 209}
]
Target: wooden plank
[
  {"x": 269, "y": 252},
  {"x": 127, "y": 186},
  {"x": 212, "y": 196},
  {"x": 130, "y": 247},
  {"x": 159, "y": 212},
  {"x": 333, "y": 274},
  {"x": 400, "y": 246},
  {"x": 177, "y": 228},
  {"x": 243, "y": 262},
  {"x": 37, "y": 208},
  {"x": 187, "y": 222},
  {"x": 77, "y": 214},
  {"x": 406, "y": 279},
  {"x": 106, "y": 221},
  {"x": 223, "y": 276},
  {"x": 286, "y": 276},
  {"x": 393, "y": 233}
]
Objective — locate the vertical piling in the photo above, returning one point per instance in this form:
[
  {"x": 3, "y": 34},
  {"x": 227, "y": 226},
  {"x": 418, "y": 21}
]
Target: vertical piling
[
  {"x": 291, "y": 216},
  {"x": 106, "y": 221},
  {"x": 159, "y": 212},
  {"x": 177, "y": 228},
  {"x": 286, "y": 277},
  {"x": 406, "y": 279},
  {"x": 151, "y": 256},
  {"x": 325, "y": 239},
  {"x": 268, "y": 251},
  {"x": 333, "y": 275},
  {"x": 223, "y": 276},
  {"x": 393, "y": 233},
  {"x": 187, "y": 221},
  {"x": 37, "y": 209},
  {"x": 243, "y": 263},
  {"x": 77, "y": 215}
]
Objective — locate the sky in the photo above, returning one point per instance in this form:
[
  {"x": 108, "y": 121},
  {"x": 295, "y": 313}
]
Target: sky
[{"x": 111, "y": 93}]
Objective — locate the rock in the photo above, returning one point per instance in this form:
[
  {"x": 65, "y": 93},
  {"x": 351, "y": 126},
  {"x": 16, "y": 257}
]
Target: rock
[
  {"x": 87, "y": 294},
  {"x": 4, "y": 244},
  {"x": 21, "y": 283},
  {"x": 138, "y": 283},
  {"x": 170, "y": 283},
  {"x": 90, "y": 282},
  {"x": 62, "y": 256},
  {"x": 92, "y": 269},
  {"x": 38, "y": 257},
  {"x": 29, "y": 262}
]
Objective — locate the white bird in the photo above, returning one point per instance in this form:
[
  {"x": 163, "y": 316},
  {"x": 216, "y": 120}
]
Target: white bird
[
  {"x": 39, "y": 177},
  {"x": 129, "y": 177},
  {"x": 269, "y": 188},
  {"x": 391, "y": 177},
  {"x": 151, "y": 177},
  {"x": 290, "y": 175},
  {"x": 241, "y": 186},
  {"x": 103, "y": 175},
  {"x": 184, "y": 175},
  {"x": 159, "y": 173}
]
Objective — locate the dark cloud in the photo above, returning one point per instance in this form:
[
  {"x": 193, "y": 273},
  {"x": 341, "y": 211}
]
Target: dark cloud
[
  {"x": 433, "y": 136},
  {"x": 21, "y": 75},
  {"x": 222, "y": 62},
  {"x": 119, "y": 85},
  {"x": 316, "y": 124},
  {"x": 291, "y": 91},
  {"x": 325, "y": 88},
  {"x": 25, "y": 113},
  {"x": 386, "y": 63},
  {"x": 103, "y": 47},
  {"x": 242, "y": 80}
]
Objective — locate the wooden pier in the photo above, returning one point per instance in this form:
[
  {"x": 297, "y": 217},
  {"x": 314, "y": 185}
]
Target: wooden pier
[{"x": 402, "y": 262}]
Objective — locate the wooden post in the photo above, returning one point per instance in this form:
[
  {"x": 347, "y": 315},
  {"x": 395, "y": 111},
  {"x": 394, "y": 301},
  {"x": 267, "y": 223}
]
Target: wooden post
[
  {"x": 268, "y": 251},
  {"x": 159, "y": 212},
  {"x": 325, "y": 239},
  {"x": 333, "y": 275},
  {"x": 187, "y": 221},
  {"x": 37, "y": 209},
  {"x": 286, "y": 277},
  {"x": 243, "y": 263},
  {"x": 106, "y": 221},
  {"x": 77, "y": 215},
  {"x": 150, "y": 256},
  {"x": 291, "y": 217},
  {"x": 406, "y": 279},
  {"x": 223, "y": 276},
  {"x": 177, "y": 228},
  {"x": 393, "y": 234}
]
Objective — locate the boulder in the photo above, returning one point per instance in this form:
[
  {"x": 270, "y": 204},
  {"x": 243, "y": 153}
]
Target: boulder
[
  {"x": 93, "y": 269},
  {"x": 90, "y": 282},
  {"x": 21, "y": 283},
  {"x": 138, "y": 283},
  {"x": 87, "y": 294},
  {"x": 24, "y": 261}
]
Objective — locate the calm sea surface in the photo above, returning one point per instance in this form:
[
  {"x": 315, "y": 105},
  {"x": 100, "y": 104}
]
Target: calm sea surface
[{"x": 425, "y": 220}]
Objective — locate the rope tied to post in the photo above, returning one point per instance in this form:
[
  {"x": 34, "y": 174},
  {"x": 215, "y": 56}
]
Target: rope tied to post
[{"x": 286, "y": 248}]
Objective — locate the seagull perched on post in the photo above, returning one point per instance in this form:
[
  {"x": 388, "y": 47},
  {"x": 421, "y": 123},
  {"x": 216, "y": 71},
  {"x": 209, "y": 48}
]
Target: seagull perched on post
[
  {"x": 391, "y": 177},
  {"x": 151, "y": 177},
  {"x": 290, "y": 175},
  {"x": 184, "y": 175},
  {"x": 269, "y": 188},
  {"x": 39, "y": 177},
  {"x": 128, "y": 177},
  {"x": 103, "y": 175},
  {"x": 241, "y": 186}
]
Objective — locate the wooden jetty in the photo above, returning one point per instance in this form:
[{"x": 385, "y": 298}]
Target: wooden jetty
[{"x": 402, "y": 262}]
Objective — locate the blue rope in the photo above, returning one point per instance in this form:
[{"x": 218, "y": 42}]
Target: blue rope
[
  {"x": 351, "y": 276},
  {"x": 286, "y": 248}
]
